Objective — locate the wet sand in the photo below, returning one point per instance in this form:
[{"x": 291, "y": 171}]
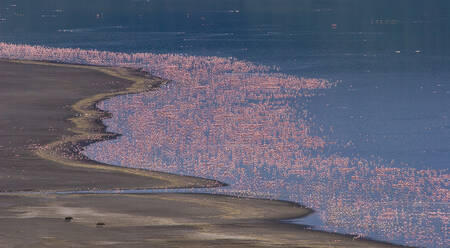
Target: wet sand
[{"x": 48, "y": 115}]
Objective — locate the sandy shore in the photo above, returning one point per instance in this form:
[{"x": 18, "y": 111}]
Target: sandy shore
[{"x": 48, "y": 115}]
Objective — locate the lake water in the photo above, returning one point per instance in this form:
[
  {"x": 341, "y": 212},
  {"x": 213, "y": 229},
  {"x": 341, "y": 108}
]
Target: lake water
[{"x": 340, "y": 105}]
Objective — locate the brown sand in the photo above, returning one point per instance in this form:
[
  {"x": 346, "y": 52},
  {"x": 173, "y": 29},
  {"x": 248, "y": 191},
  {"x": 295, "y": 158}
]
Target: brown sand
[
  {"x": 52, "y": 104},
  {"x": 37, "y": 101}
]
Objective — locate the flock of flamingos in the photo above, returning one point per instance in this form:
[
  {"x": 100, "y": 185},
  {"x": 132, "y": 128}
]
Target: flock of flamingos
[{"x": 247, "y": 125}]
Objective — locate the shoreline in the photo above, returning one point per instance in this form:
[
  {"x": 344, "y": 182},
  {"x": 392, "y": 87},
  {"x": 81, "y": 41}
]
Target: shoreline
[{"x": 87, "y": 128}]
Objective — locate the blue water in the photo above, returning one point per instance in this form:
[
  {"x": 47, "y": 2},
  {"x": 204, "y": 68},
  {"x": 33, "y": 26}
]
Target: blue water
[{"x": 392, "y": 59}]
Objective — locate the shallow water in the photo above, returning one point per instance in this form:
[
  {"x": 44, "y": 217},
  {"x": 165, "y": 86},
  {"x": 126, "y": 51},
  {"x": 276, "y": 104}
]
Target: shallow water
[{"x": 367, "y": 145}]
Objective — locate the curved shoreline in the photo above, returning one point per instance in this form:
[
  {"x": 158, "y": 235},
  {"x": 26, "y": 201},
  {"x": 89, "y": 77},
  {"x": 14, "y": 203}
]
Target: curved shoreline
[{"x": 89, "y": 129}]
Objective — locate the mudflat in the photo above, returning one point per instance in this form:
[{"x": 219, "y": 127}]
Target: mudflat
[
  {"x": 48, "y": 114},
  {"x": 37, "y": 108}
]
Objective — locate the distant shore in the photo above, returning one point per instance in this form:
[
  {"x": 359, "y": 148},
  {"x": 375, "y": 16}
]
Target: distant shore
[{"x": 49, "y": 115}]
